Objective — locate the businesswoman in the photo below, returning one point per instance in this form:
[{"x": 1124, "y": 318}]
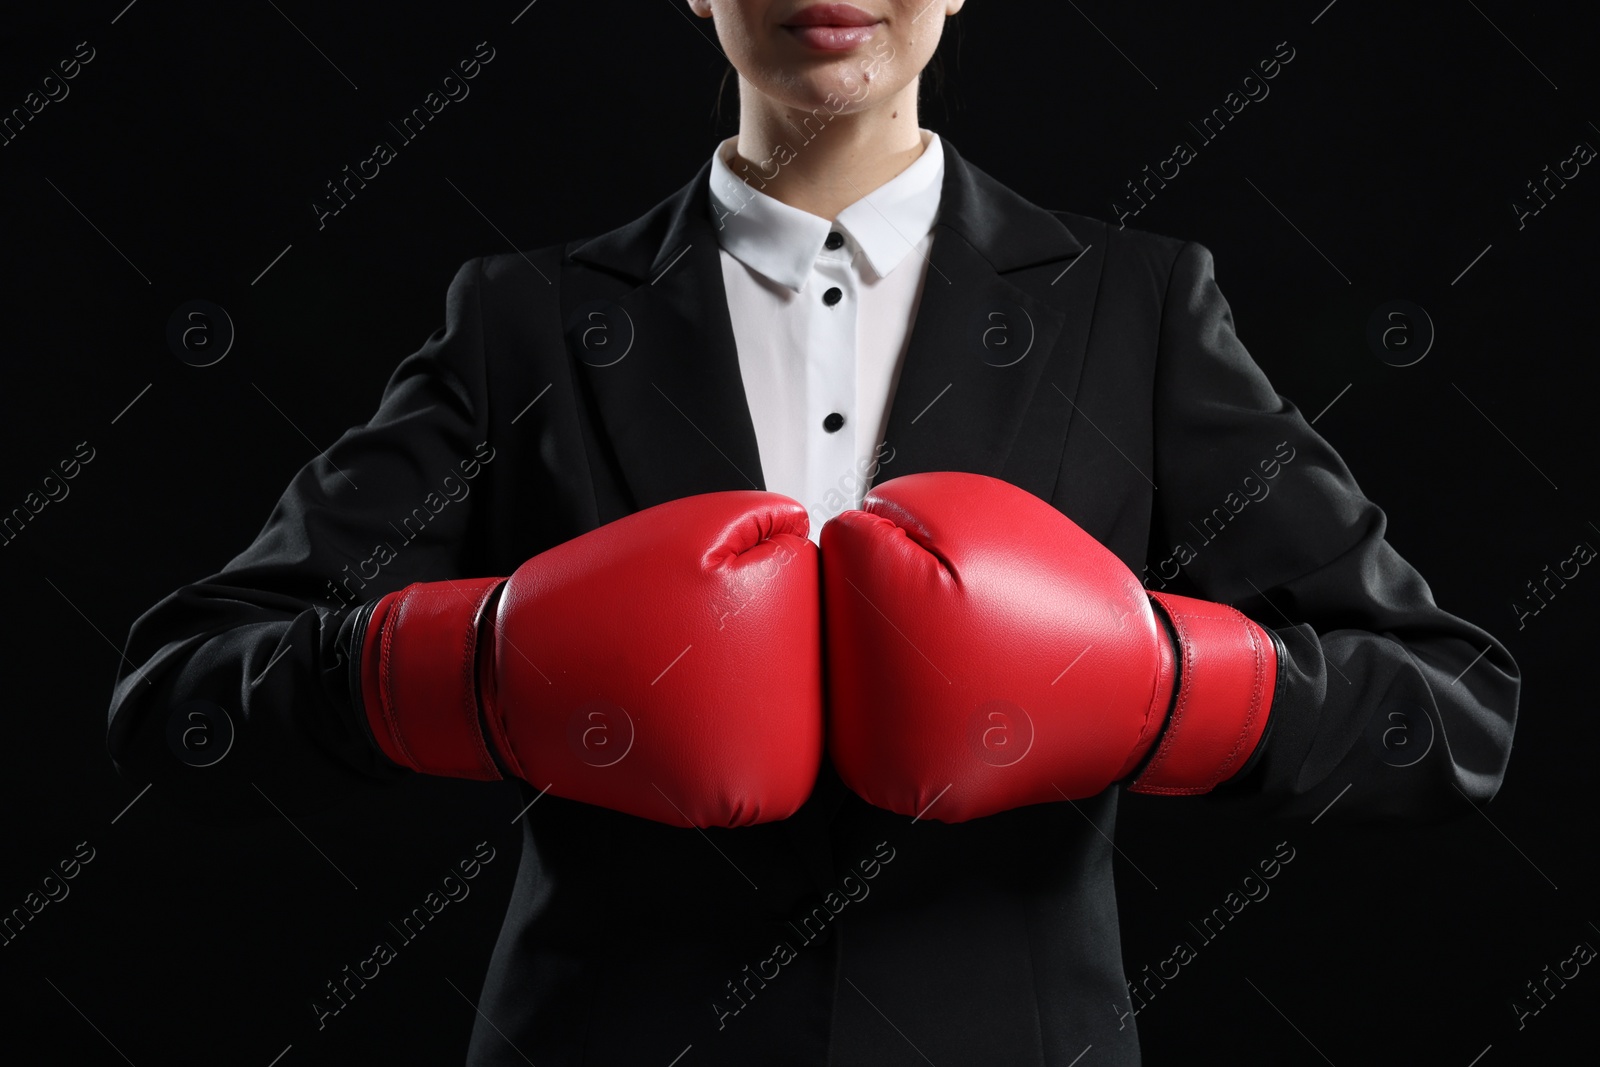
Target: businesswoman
[{"x": 801, "y": 805}]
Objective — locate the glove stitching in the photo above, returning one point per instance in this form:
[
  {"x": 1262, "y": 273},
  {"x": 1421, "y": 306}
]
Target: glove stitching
[
  {"x": 469, "y": 687},
  {"x": 390, "y": 704},
  {"x": 1255, "y": 698},
  {"x": 1176, "y": 719},
  {"x": 1150, "y": 710},
  {"x": 497, "y": 723}
]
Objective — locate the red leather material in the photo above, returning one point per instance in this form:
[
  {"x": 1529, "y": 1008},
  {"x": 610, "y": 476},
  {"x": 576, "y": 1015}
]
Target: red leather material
[
  {"x": 418, "y": 667},
  {"x": 1161, "y": 696},
  {"x": 1228, "y": 673},
  {"x": 984, "y": 652},
  {"x": 668, "y": 664}
]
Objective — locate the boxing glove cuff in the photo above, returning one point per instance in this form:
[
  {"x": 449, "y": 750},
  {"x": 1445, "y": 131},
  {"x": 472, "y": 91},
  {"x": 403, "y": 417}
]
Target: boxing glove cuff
[
  {"x": 419, "y": 677},
  {"x": 1227, "y": 674}
]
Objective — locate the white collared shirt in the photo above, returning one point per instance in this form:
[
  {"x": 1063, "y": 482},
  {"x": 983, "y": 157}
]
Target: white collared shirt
[{"x": 807, "y": 362}]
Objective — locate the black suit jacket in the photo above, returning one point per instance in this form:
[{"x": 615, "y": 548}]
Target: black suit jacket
[{"x": 1095, "y": 367}]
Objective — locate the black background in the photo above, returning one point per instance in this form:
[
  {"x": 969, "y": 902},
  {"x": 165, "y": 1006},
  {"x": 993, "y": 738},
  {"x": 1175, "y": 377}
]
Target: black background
[{"x": 187, "y": 157}]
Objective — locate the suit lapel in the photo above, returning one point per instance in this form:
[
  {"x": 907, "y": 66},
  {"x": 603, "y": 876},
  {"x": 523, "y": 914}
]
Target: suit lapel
[
  {"x": 652, "y": 339},
  {"x": 1002, "y": 310},
  {"x": 1005, "y": 306}
]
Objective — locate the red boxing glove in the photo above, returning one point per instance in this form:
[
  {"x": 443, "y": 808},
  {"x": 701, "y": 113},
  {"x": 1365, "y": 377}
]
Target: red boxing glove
[
  {"x": 985, "y": 653},
  {"x": 667, "y": 665}
]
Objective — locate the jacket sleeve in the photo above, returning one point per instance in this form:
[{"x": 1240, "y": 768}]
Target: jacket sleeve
[
  {"x": 1379, "y": 689},
  {"x": 234, "y": 693}
]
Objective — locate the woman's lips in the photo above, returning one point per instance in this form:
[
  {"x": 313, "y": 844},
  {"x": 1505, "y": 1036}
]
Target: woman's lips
[{"x": 832, "y": 38}]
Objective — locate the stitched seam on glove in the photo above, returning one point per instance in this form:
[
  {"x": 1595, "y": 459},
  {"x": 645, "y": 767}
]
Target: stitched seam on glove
[
  {"x": 1175, "y": 720},
  {"x": 469, "y": 687},
  {"x": 496, "y": 721},
  {"x": 389, "y": 703},
  {"x": 1255, "y": 699}
]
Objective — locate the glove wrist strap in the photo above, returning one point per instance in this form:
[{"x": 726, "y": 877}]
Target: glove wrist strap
[
  {"x": 419, "y": 677},
  {"x": 1227, "y": 671}
]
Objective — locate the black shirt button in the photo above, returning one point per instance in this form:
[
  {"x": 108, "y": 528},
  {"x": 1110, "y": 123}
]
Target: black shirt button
[
  {"x": 833, "y": 422},
  {"x": 835, "y": 240},
  {"x": 833, "y": 296}
]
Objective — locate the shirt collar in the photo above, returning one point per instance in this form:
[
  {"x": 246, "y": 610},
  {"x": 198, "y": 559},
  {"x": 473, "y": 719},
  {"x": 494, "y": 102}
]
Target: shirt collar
[{"x": 783, "y": 242}]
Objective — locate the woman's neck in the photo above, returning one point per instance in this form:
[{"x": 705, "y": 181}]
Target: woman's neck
[{"x": 823, "y": 161}]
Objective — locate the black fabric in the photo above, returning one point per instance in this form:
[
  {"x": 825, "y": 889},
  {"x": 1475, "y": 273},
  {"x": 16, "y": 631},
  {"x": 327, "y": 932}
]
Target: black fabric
[{"x": 1117, "y": 371}]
